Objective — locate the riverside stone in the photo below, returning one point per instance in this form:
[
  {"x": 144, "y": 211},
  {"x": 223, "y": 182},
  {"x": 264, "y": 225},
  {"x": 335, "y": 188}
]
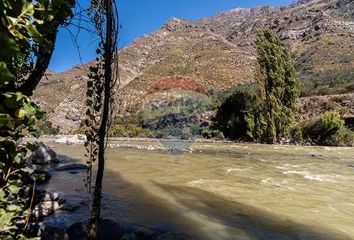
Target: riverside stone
[
  {"x": 45, "y": 208},
  {"x": 71, "y": 167},
  {"x": 43, "y": 155}
]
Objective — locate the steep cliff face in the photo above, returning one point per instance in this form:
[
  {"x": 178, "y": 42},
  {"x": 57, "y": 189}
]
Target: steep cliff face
[{"x": 218, "y": 53}]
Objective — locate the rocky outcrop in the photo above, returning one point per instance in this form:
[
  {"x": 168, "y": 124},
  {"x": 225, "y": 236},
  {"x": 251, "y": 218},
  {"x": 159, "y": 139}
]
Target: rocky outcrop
[{"x": 310, "y": 107}]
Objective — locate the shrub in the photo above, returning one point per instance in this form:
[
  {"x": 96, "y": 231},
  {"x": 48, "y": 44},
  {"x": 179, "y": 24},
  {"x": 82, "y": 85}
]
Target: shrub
[
  {"x": 324, "y": 128},
  {"x": 344, "y": 137},
  {"x": 296, "y": 132},
  {"x": 234, "y": 117}
]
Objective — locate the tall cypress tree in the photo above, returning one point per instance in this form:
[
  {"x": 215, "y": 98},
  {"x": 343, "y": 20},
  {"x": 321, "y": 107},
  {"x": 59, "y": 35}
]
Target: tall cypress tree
[{"x": 278, "y": 86}]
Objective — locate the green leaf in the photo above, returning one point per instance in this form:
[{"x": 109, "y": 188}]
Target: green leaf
[
  {"x": 5, "y": 219},
  {"x": 2, "y": 195},
  {"x": 33, "y": 31},
  {"x": 6, "y": 120},
  {"x": 10, "y": 101},
  {"x": 13, "y": 208},
  {"x": 5, "y": 75}
]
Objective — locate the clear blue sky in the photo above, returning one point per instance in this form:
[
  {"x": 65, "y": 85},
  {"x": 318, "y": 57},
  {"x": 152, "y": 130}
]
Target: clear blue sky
[{"x": 139, "y": 17}]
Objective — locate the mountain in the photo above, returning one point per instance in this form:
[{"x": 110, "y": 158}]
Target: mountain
[{"x": 219, "y": 52}]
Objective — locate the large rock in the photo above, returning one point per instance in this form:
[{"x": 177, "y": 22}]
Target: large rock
[
  {"x": 43, "y": 155},
  {"x": 45, "y": 208},
  {"x": 53, "y": 232},
  {"x": 71, "y": 167}
]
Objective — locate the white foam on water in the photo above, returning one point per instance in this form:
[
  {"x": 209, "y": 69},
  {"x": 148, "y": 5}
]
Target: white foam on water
[
  {"x": 272, "y": 182},
  {"x": 196, "y": 182},
  {"x": 310, "y": 176},
  {"x": 266, "y": 181},
  {"x": 230, "y": 170},
  {"x": 288, "y": 166}
]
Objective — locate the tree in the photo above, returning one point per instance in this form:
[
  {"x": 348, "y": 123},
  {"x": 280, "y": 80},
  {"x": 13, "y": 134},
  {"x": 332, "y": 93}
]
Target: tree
[
  {"x": 37, "y": 43},
  {"x": 60, "y": 13},
  {"x": 278, "y": 86},
  {"x": 100, "y": 88},
  {"x": 236, "y": 115},
  {"x": 18, "y": 116}
]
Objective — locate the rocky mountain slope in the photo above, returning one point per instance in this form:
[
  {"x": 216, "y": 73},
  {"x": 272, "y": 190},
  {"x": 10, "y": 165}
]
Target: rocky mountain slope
[{"x": 219, "y": 52}]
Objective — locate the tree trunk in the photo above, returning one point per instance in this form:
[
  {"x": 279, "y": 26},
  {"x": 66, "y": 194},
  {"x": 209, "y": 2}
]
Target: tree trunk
[
  {"x": 108, "y": 56},
  {"x": 42, "y": 63}
]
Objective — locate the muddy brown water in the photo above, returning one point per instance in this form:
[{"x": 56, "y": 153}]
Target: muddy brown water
[{"x": 227, "y": 191}]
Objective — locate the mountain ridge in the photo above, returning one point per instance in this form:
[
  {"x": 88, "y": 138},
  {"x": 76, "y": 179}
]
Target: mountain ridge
[{"x": 218, "y": 52}]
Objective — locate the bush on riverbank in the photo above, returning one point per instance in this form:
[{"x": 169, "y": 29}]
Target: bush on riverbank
[
  {"x": 327, "y": 129},
  {"x": 235, "y": 116}
]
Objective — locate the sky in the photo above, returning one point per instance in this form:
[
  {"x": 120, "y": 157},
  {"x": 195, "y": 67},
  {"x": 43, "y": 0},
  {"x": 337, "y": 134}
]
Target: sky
[{"x": 139, "y": 17}]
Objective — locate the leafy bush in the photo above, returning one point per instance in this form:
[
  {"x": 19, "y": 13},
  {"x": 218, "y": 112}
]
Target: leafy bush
[
  {"x": 322, "y": 129},
  {"x": 344, "y": 137},
  {"x": 18, "y": 116},
  {"x": 234, "y": 117},
  {"x": 296, "y": 132}
]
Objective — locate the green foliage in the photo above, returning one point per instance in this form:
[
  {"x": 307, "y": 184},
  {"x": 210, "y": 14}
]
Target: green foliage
[
  {"x": 17, "y": 119},
  {"x": 278, "y": 87},
  {"x": 18, "y": 116},
  {"x": 236, "y": 115},
  {"x": 267, "y": 113},
  {"x": 343, "y": 137},
  {"x": 323, "y": 128}
]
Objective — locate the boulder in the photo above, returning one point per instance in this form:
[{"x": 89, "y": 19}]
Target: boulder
[
  {"x": 53, "y": 232},
  {"x": 43, "y": 155},
  {"x": 50, "y": 196},
  {"x": 71, "y": 167},
  {"x": 45, "y": 209}
]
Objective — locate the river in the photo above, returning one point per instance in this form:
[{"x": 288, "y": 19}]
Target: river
[{"x": 227, "y": 191}]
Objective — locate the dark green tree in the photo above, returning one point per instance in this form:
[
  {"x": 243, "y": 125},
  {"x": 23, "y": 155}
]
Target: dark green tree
[
  {"x": 278, "y": 87},
  {"x": 236, "y": 115}
]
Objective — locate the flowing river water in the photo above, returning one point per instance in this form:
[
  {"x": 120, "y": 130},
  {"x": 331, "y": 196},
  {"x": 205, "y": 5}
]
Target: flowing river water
[{"x": 228, "y": 191}]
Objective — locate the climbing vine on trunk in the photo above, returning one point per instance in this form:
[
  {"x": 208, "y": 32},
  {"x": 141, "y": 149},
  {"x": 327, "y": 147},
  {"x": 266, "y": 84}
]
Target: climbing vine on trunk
[{"x": 100, "y": 90}]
